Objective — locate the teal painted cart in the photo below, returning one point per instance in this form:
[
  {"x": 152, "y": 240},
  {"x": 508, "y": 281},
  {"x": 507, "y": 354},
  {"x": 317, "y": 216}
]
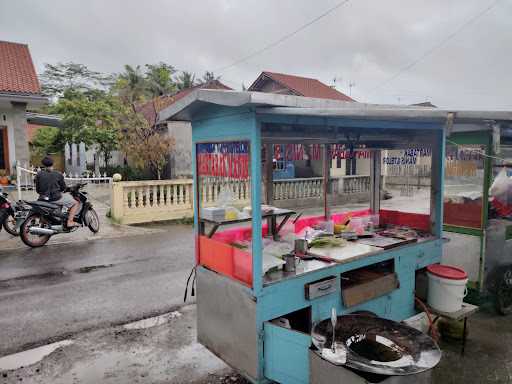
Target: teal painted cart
[{"x": 260, "y": 323}]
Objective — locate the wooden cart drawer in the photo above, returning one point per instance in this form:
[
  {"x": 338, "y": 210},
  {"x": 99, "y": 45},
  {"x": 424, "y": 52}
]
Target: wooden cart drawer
[{"x": 320, "y": 288}]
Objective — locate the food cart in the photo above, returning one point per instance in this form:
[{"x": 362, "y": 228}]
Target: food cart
[
  {"x": 252, "y": 313},
  {"x": 480, "y": 244}
]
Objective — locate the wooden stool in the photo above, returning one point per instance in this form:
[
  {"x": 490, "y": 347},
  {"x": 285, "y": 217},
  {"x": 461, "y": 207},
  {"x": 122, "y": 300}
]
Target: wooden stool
[{"x": 462, "y": 314}]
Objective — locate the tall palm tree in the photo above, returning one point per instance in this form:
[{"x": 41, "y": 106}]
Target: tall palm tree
[
  {"x": 131, "y": 84},
  {"x": 209, "y": 76},
  {"x": 159, "y": 79},
  {"x": 186, "y": 80}
]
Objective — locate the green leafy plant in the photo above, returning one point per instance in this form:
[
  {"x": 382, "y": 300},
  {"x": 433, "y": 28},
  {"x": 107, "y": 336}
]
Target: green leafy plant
[{"x": 47, "y": 140}]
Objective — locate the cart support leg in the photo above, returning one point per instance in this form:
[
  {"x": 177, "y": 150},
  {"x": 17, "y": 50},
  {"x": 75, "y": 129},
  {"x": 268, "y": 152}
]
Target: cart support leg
[{"x": 464, "y": 335}]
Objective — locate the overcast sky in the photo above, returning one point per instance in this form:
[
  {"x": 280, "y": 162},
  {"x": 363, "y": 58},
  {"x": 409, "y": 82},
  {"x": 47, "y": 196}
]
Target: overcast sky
[{"x": 364, "y": 42}]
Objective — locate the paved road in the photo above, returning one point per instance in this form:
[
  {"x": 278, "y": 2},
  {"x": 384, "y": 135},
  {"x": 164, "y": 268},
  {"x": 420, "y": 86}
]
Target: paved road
[{"x": 61, "y": 289}]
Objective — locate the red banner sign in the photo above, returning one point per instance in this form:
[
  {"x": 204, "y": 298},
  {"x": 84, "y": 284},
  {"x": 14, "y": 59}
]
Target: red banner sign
[{"x": 229, "y": 160}]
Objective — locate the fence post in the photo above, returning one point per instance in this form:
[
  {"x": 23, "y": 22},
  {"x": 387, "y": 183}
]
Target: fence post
[
  {"x": 117, "y": 205},
  {"x": 18, "y": 180}
]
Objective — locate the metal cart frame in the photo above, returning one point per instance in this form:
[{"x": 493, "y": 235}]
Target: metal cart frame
[{"x": 235, "y": 320}]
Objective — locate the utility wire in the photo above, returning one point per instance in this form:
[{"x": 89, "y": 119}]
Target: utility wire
[
  {"x": 283, "y": 38},
  {"x": 436, "y": 47}
]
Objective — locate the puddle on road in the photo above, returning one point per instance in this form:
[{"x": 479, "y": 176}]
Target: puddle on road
[
  {"x": 152, "y": 321},
  {"x": 52, "y": 277},
  {"x": 31, "y": 356},
  {"x": 37, "y": 276},
  {"x": 93, "y": 268}
]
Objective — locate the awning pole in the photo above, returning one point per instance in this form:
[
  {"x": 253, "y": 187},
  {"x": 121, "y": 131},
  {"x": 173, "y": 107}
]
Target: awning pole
[{"x": 375, "y": 177}]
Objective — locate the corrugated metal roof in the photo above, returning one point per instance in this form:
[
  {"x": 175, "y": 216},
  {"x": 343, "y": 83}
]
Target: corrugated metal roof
[
  {"x": 150, "y": 109},
  {"x": 270, "y": 103}
]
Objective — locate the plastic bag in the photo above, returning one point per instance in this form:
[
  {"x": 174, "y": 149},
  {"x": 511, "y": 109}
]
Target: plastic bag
[
  {"x": 225, "y": 197},
  {"x": 277, "y": 248},
  {"x": 501, "y": 188}
]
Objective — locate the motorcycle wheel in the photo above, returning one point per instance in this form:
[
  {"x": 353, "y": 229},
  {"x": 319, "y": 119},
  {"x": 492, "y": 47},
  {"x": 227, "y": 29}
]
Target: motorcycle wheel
[
  {"x": 92, "y": 220},
  {"x": 30, "y": 239},
  {"x": 504, "y": 292},
  {"x": 10, "y": 225}
]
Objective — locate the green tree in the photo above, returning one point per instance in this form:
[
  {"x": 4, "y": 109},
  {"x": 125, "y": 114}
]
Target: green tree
[
  {"x": 90, "y": 120},
  {"x": 209, "y": 76},
  {"x": 131, "y": 85},
  {"x": 58, "y": 78},
  {"x": 47, "y": 140},
  {"x": 185, "y": 80},
  {"x": 159, "y": 78},
  {"x": 107, "y": 139},
  {"x": 145, "y": 144}
]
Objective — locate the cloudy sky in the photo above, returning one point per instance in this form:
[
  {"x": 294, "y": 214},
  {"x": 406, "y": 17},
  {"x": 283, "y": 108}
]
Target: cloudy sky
[{"x": 451, "y": 53}]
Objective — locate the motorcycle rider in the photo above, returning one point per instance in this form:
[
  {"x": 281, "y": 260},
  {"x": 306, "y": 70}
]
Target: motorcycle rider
[{"x": 50, "y": 186}]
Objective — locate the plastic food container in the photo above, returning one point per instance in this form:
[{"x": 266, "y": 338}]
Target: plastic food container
[{"x": 446, "y": 287}]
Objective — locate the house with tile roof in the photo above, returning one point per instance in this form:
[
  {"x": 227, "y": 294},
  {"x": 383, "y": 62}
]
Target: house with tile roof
[
  {"x": 19, "y": 91},
  {"x": 283, "y": 84},
  {"x": 180, "y": 159},
  {"x": 268, "y": 82}
]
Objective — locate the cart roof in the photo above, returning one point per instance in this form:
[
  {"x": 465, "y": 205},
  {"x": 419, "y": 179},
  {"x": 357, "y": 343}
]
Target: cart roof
[{"x": 274, "y": 104}]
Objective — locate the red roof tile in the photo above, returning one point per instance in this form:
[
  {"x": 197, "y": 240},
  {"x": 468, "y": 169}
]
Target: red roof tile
[
  {"x": 150, "y": 109},
  {"x": 17, "y": 72},
  {"x": 301, "y": 86}
]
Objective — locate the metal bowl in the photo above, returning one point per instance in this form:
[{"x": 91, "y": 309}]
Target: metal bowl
[{"x": 379, "y": 345}]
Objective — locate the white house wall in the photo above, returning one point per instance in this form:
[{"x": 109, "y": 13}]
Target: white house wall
[
  {"x": 181, "y": 156},
  {"x": 362, "y": 167},
  {"x": 19, "y": 124}
]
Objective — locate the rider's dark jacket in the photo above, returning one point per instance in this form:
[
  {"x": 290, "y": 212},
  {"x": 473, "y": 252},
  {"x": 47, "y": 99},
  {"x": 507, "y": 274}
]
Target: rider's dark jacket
[{"x": 50, "y": 185}]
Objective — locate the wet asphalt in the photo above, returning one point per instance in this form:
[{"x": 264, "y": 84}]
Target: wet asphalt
[{"x": 59, "y": 290}]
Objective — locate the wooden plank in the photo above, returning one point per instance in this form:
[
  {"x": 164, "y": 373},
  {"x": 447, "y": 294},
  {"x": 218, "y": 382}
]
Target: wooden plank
[{"x": 466, "y": 311}]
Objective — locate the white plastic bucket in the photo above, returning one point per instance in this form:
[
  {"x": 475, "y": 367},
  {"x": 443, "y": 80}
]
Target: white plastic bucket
[{"x": 445, "y": 295}]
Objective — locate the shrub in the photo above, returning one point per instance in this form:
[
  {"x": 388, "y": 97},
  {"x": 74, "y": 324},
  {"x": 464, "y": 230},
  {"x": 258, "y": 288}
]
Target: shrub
[{"x": 128, "y": 173}]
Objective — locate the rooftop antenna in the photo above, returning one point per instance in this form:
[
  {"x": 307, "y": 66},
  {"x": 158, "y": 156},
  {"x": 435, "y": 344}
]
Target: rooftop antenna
[
  {"x": 336, "y": 78},
  {"x": 350, "y": 85}
]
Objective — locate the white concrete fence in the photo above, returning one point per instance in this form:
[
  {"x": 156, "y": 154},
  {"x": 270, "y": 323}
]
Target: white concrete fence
[
  {"x": 25, "y": 179},
  {"x": 156, "y": 200}
]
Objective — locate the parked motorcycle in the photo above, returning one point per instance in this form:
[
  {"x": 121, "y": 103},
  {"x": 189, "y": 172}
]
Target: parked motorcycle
[
  {"x": 12, "y": 215},
  {"x": 47, "y": 219}
]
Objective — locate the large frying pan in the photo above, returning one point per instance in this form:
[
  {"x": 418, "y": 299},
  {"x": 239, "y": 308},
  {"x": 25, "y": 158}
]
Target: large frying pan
[{"x": 378, "y": 345}]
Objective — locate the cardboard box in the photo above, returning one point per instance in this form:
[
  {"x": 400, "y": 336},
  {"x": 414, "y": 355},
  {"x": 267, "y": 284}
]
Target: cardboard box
[{"x": 364, "y": 285}]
